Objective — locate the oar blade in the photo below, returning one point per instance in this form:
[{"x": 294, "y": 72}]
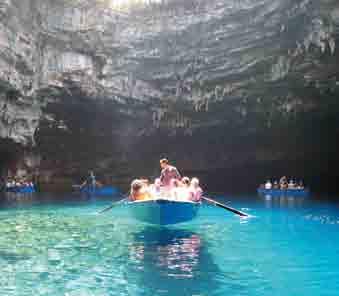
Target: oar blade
[{"x": 235, "y": 211}]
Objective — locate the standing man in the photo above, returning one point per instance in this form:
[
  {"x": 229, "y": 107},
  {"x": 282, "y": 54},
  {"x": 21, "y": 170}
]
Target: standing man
[
  {"x": 90, "y": 182},
  {"x": 168, "y": 173}
]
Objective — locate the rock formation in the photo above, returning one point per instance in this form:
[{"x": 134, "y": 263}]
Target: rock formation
[{"x": 229, "y": 89}]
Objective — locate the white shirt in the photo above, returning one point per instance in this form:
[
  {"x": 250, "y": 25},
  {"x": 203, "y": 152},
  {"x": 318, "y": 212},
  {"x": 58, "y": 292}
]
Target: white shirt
[{"x": 268, "y": 185}]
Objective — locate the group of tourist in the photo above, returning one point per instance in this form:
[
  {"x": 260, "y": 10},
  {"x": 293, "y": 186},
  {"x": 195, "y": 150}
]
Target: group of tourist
[
  {"x": 13, "y": 184},
  {"x": 170, "y": 185},
  {"x": 283, "y": 184}
]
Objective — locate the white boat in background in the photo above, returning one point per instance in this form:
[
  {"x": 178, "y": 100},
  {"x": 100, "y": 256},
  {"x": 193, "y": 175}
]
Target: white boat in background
[{"x": 163, "y": 211}]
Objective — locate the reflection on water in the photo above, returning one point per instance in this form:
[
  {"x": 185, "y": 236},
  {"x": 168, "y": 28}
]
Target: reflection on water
[
  {"x": 18, "y": 198},
  {"x": 283, "y": 201},
  {"x": 170, "y": 260}
]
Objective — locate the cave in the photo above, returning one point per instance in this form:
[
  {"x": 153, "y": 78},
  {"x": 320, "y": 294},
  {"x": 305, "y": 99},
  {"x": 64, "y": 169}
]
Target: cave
[{"x": 233, "y": 92}]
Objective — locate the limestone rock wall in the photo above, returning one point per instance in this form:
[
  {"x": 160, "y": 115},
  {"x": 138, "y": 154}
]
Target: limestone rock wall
[{"x": 118, "y": 76}]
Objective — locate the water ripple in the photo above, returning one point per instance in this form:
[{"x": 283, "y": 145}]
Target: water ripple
[{"x": 66, "y": 250}]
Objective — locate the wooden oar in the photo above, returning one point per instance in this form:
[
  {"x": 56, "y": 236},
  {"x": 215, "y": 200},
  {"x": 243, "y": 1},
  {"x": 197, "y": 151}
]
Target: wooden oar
[
  {"x": 242, "y": 214},
  {"x": 112, "y": 205}
]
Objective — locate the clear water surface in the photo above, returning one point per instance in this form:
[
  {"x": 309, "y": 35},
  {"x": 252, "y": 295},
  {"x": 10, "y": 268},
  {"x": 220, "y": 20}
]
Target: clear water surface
[{"x": 52, "y": 245}]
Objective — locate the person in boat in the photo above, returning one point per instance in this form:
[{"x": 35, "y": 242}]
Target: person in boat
[
  {"x": 301, "y": 185},
  {"x": 275, "y": 185},
  {"x": 176, "y": 189},
  {"x": 168, "y": 173},
  {"x": 90, "y": 182},
  {"x": 180, "y": 189},
  {"x": 268, "y": 185},
  {"x": 291, "y": 184},
  {"x": 186, "y": 182},
  {"x": 185, "y": 189},
  {"x": 145, "y": 182},
  {"x": 139, "y": 191},
  {"x": 196, "y": 191},
  {"x": 155, "y": 189},
  {"x": 9, "y": 184},
  {"x": 283, "y": 183}
]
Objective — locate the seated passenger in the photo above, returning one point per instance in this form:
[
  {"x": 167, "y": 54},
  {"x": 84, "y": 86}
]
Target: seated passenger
[
  {"x": 196, "y": 191},
  {"x": 139, "y": 191},
  {"x": 301, "y": 185},
  {"x": 175, "y": 192},
  {"x": 283, "y": 183},
  {"x": 291, "y": 184},
  {"x": 275, "y": 185},
  {"x": 185, "y": 182},
  {"x": 145, "y": 182},
  {"x": 155, "y": 189},
  {"x": 268, "y": 185},
  {"x": 185, "y": 190}
]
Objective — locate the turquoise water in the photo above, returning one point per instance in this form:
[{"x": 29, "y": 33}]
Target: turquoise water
[{"x": 289, "y": 247}]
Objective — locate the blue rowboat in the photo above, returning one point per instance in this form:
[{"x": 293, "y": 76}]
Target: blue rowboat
[
  {"x": 21, "y": 189},
  {"x": 100, "y": 191},
  {"x": 284, "y": 192},
  {"x": 163, "y": 211}
]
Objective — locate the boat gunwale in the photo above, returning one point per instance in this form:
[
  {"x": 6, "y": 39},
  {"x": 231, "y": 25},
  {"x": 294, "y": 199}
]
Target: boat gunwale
[{"x": 163, "y": 201}]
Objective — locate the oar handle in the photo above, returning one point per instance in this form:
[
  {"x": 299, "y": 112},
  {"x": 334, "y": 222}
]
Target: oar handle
[{"x": 242, "y": 214}]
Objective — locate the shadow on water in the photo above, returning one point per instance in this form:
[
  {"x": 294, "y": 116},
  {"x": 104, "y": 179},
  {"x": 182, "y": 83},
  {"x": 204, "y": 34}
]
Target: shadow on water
[
  {"x": 12, "y": 257},
  {"x": 173, "y": 262}
]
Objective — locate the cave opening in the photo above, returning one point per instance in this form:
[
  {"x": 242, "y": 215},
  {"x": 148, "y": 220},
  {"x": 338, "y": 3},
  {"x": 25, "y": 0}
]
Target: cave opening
[{"x": 10, "y": 154}]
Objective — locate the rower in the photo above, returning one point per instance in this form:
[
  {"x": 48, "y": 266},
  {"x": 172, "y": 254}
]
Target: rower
[
  {"x": 90, "y": 181},
  {"x": 168, "y": 173}
]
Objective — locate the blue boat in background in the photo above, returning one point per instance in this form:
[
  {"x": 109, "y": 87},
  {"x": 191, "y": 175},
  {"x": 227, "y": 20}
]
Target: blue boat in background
[
  {"x": 284, "y": 192},
  {"x": 21, "y": 189},
  {"x": 100, "y": 191}
]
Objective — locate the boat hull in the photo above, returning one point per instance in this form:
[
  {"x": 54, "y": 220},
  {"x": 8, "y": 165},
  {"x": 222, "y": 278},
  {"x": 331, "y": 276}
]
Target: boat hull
[
  {"x": 284, "y": 192},
  {"x": 23, "y": 189},
  {"x": 163, "y": 211}
]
